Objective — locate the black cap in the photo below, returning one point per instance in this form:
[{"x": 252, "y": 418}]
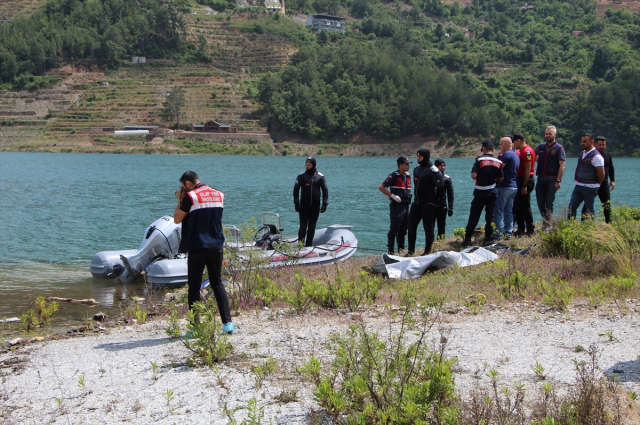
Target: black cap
[
  {"x": 517, "y": 136},
  {"x": 439, "y": 162},
  {"x": 488, "y": 144},
  {"x": 404, "y": 160}
]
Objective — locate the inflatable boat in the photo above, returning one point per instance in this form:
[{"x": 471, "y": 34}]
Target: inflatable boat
[{"x": 163, "y": 265}]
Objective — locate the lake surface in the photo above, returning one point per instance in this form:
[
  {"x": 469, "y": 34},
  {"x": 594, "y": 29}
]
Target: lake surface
[{"x": 58, "y": 210}]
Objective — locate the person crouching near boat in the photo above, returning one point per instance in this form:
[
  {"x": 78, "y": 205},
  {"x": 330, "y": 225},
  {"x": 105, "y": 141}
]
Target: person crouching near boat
[{"x": 200, "y": 212}]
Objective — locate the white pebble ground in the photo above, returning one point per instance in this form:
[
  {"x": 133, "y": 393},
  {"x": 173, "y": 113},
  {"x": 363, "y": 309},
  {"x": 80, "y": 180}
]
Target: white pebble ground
[{"x": 109, "y": 378}]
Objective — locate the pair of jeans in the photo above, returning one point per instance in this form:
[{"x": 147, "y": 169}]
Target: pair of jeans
[
  {"x": 546, "y": 195},
  {"x": 522, "y": 205},
  {"x": 399, "y": 217},
  {"x": 212, "y": 259},
  {"x": 425, "y": 213},
  {"x": 504, "y": 206},
  {"x": 604, "y": 193},
  {"x": 583, "y": 194},
  {"x": 479, "y": 203},
  {"x": 308, "y": 220}
]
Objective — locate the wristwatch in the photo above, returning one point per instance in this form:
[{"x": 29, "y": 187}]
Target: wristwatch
[{"x": 558, "y": 181}]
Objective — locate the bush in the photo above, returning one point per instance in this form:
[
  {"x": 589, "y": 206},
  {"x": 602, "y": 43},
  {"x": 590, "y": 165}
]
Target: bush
[
  {"x": 208, "y": 344},
  {"x": 342, "y": 293},
  {"x": 393, "y": 381},
  {"x": 583, "y": 239},
  {"x": 39, "y": 316},
  {"x": 242, "y": 267}
]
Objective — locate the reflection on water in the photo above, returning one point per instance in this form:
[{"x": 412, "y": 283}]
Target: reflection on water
[{"x": 22, "y": 283}]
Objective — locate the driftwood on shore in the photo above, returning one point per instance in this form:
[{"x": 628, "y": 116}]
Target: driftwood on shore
[{"x": 88, "y": 301}]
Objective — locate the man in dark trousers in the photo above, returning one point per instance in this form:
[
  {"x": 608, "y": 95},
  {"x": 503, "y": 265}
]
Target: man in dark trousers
[
  {"x": 399, "y": 183},
  {"x": 588, "y": 179},
  {"x": 486, "y": 171},
  {"x": 525, "y": 183},
  {"x": 427, "y": 182},
  {"x": 200, "y": 212},
  {"x": 306, "y": 198},
  {"x": 604, "y": 192},
  {"x": 551, "y": 159},
  {"x": 445, "y": 197}
]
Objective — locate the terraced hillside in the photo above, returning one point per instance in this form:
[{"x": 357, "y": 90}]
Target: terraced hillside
[
  {"x": 12, "y": 9},
  {"x": 72, "y": 113},
  {"x": 246, "y": 44}
]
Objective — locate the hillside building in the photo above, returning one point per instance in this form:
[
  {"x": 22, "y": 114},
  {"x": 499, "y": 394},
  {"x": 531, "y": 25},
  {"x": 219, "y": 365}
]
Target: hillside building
[
  {"x": 212, "y": 126},
  {"x": 319, "y": 23},
  {"x": 275, "y": 5}
]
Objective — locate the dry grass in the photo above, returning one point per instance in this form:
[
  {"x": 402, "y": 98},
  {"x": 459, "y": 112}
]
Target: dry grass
[{"x": 510, "y": 278}]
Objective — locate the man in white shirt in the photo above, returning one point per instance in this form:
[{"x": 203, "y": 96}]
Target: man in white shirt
[{"x": 589, "y": 175}]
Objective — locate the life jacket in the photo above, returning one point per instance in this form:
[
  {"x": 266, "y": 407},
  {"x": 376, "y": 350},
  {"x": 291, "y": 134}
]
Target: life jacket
[
  {"x": 399, "y": 185},
  {"x": 548, "y": 159},
  {"x": 586, "y": 173},
  {"x": 202, "y": 227}
]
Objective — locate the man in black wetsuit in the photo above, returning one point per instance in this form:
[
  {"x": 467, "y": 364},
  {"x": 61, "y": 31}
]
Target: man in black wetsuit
[
  {"x": 445, "y": 197},
  {"x": 427, "y": 182},
  {"x": 306, "y": 198},
  {"x": 604, "y": 192}
]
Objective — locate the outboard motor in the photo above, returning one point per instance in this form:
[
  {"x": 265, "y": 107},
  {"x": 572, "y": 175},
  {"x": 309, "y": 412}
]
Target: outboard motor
[{"x": 161, "y": 240}]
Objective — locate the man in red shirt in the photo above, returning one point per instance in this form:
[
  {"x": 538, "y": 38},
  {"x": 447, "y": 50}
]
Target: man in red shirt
[{"x": 525, "y": 182}]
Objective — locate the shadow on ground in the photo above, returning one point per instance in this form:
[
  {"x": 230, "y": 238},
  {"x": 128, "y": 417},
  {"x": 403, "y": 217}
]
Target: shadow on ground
[
  {"x": 131, "y": 345},
  {"x": 628, "y": 371}
]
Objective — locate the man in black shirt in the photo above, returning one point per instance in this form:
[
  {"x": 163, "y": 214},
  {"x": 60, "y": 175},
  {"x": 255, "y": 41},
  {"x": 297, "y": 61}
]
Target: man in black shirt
[
  {"x": 445, "y": 197},
  {"x": 609, "y": 174},
  {"x": 306, "y": 199},
  {"x": 200, "y": 212},
  {"x": 427, "y": 182},
  {"x": 486, "y": 171}
]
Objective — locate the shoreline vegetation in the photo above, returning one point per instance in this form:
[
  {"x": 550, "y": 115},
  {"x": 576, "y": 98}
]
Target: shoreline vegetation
[
  {"x": 337, "y": 344},
  {"x": 182, "y": 146}
]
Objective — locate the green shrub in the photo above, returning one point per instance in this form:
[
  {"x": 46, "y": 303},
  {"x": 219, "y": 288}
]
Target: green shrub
[
  {"x": 342, "y": 293},
  {"x": 208, "y": 344},
  {"x": 262, "y": 371},
  {"x": 394, "y": 381},
  {"x": 39, "y": 316},
  {"x": 556, "y": 294}
]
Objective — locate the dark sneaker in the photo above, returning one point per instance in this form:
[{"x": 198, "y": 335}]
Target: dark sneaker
[
  {"x": 390, "y": 252},
  {"x": 465, "y": 244},
  {"x": 409, "y": 254}
]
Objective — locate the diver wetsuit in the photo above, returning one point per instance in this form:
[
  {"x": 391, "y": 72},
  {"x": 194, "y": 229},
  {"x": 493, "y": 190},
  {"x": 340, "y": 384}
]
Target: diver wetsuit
[
  {"x": 306, "y": 198},
  {"x": 427, "y": 182}
]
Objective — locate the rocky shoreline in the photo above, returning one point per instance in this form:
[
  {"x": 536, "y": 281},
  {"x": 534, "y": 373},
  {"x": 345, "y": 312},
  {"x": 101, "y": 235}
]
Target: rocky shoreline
[{"x": 137, "y": 374}]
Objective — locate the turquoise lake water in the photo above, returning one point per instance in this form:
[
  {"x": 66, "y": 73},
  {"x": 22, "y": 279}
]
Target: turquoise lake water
[{"x": 57, "y": 210}]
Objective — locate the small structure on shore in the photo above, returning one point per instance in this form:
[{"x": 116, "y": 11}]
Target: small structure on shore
[{"x": 212, "y": 126}]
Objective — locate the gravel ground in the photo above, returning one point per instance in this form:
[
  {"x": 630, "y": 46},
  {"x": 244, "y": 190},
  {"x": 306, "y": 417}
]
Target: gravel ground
[{"x": 109, "y": 378}]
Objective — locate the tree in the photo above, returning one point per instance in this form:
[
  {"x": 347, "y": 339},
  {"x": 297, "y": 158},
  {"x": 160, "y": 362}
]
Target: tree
[{"x": 173, "y": 105}]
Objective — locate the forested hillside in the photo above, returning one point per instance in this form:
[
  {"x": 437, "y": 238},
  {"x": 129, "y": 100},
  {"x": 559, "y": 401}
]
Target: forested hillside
[
  {"x": 457, "y": 73},
  {"x": 488, "y": 68}
]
